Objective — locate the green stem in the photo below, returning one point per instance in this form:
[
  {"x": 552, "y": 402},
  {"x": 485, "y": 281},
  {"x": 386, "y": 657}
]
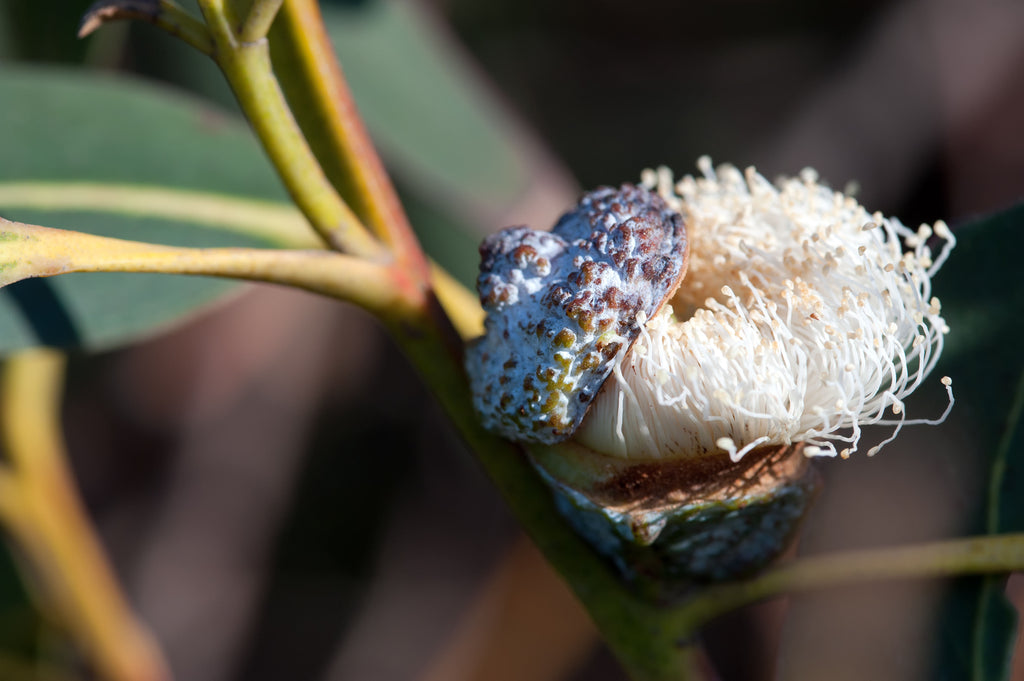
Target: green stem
[
  {"x": 315, "y": 86},
  {"x": 277, "y": 223},
  {"x": 257, "y": 23},
  {"x": 33, "y": 251},
  {"x": 248, "y": 70},
  {"x": 974, "y": 555},
  {"x": 164, "y": 14},
  {"x": 43, "y": 513}
]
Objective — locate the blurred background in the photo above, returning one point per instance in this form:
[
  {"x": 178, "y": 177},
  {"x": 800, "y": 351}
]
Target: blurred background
[{"x": 280, "y": 496}]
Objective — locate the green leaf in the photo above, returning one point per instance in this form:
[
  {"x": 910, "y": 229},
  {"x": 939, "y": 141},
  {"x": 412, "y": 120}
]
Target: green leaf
[
  {"x": 452, "y": 244},
  {"x": 78, "y": 126},
  {"x": 982, "y": 295},
  {"x": 425, "y": 107},
  {"x": 437, "y": 123},
  {"x": 456, "y": 155},
  {"x": 97, "y": 311}
]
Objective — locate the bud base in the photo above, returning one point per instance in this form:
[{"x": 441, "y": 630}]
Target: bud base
[{"x": 668, "y": 525}]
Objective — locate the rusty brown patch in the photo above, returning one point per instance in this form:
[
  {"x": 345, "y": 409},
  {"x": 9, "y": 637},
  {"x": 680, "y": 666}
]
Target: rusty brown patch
[{"x": 711, "y": 478}]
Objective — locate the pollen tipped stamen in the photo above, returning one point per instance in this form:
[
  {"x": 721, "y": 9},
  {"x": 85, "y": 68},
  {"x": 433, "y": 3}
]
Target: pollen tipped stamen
[{"x": 820, "y": 321}]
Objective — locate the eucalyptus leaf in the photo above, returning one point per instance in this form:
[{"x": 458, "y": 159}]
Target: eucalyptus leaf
[
  {"x": 982, "y": 294},
  {"x": 80, "y": 126},
  {"x": 64, "y": 124},
  {"x": 426, "y": 108}
]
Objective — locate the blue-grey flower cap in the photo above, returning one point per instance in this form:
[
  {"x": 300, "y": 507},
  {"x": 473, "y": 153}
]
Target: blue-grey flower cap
[{"x": 563, "y": 307}]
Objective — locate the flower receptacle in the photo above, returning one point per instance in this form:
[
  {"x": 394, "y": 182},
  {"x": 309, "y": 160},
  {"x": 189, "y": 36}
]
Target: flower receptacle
[{"x": 669, "y": 525}]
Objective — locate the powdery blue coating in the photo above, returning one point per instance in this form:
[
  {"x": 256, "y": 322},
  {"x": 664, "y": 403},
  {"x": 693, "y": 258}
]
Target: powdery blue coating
[
  {"x": 562, "y": 308},
  {"x": 672, "y": 547}
]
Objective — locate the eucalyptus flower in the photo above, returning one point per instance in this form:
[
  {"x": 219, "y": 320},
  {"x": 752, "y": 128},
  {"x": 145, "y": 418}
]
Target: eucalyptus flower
[
  {"x": 671, "y": 353},
  {"x": 802, "y": 318},
  {"x": 781, "y": 314}
]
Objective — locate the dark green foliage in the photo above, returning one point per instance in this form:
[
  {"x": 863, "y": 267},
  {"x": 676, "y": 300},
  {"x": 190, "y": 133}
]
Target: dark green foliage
[{"x": 982, "y": 293}]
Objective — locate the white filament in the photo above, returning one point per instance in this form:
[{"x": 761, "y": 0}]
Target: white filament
[{"x": 802, "y": 318}]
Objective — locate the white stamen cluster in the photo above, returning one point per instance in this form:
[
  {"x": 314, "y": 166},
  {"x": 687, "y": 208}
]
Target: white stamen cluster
[{"x": 802, "y": 318}]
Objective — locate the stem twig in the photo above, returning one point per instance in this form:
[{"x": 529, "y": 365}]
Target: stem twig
[
  {"x": 315, "y": 86},
  {"x": 278, "y": 224},
  {"x": 34, "y": 251},
  {"x": 164, "y": 14},
  {"x": 973, "y": 555},
  {"x": 46, "y": 518},
  {"x": 248, "y": 70},
  {"x": 257, "y": 23},
  {"x": 461, "y": 304}
]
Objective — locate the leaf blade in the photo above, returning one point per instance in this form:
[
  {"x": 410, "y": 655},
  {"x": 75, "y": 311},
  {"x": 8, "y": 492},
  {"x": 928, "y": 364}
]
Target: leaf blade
[
  {"x": 983, "y": 298},
  {"x": 75, "y": 126}
]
